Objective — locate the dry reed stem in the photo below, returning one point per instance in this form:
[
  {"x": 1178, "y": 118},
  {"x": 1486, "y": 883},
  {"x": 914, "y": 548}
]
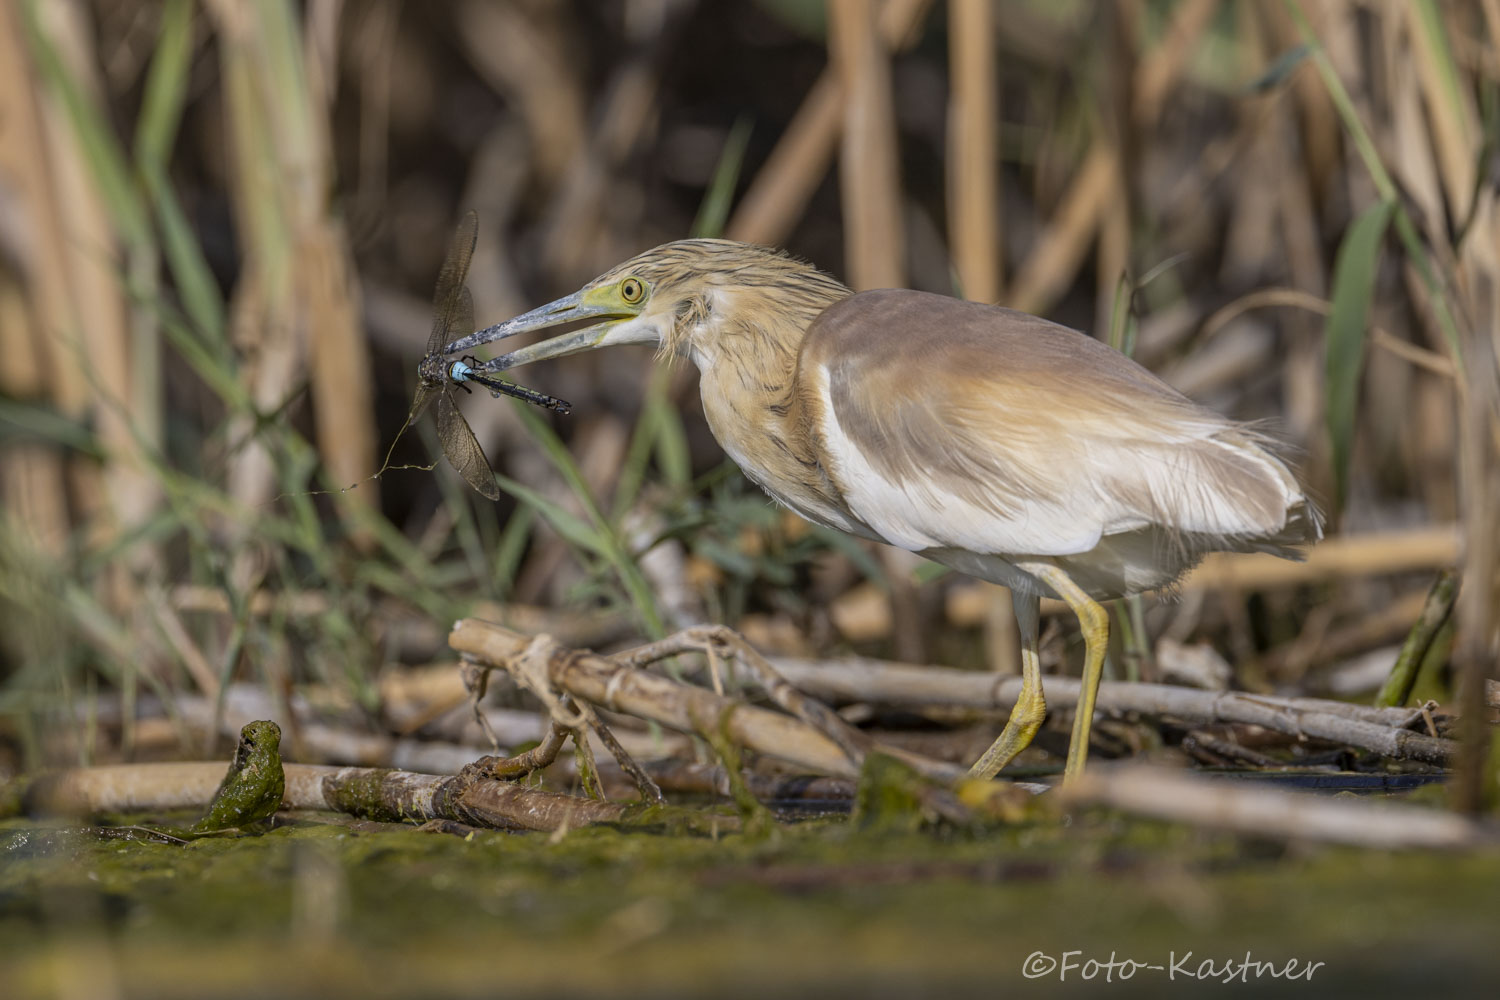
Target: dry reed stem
[
  {"x": 1349, "y": 555},
  {"x": 1097, "y": 189},
  {"x": 339, "y": 364},
  {"x": 97, "y": 354},
  {"x": 301, "y": 282},
  {"x": 779, "y": 194},
  {"x": 1158, "y": 71},
  {"x": 1294, "y": 298},
  {"x": 869, "y": 174},
  {"x": 973, "y": 196},
  {"x": 203, "y": 674},
  {"x": 1381, "y": 624},
  {"x": 1049, "y": 270},
  {"x": 576, "y": 628},
  {"x": 1412, "y": 155},
  {"x": 1452, "y": 118},
  {"x": 1478, "y": 609},
  {"x": 1478, "y": 403},
  {"x": 626, "y": 112},
  {"x": 1113, "y": 256},
  {"x": 974, "y": 224},
  {"x": 776, "y": 199},
  {"x": 1378, "y": 730},
  {"x": 31, "y": 305},
  {"x": 1318, "y": 124},
  {"x": 1270, "y": 812},
  {"x": 521, "y": 51},
  {"x": 323, "y": 297},
  {"x": 261, "y": 321}
]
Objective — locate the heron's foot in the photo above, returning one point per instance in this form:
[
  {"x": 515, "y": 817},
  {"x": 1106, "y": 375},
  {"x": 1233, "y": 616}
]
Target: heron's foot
[{"x": 1025, "y": 719}]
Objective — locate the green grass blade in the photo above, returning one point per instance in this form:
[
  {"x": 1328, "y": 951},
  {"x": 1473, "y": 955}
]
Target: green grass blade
[
  {"x": 1122, "y": 321},
  {"x": 572, "y": 528},
  {"x": 638, "y": 454},
  {"x": 510, "y": 548},
  {"x": 102, "y": 153},
  {"x": 672, "y": 456},
  {"x": 1385, "y": 186},
  {"x": 166, "y": 84},
  {"x": 610, "y": 545},
  {"x": 1344, "y": 332},
  {"x": 714, "y": 211}
]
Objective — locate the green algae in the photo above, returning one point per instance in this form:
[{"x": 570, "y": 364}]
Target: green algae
[
  {"x": 381, "y": 909},
  {"x": 253, "y": 786}
]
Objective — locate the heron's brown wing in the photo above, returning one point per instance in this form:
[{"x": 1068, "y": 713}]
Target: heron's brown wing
[
  {"x": 462, "y": 449},
  {"x": 953, "y": 424}
]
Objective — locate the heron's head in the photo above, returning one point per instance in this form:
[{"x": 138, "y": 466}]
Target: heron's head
[{"x": 684, "y": 298}]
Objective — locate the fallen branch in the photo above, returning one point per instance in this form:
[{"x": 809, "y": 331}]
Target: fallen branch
[
  {"x": 372, "y": 793},
  {"x": 1381, "y": 730},
  {"x": 1241, "y": 807},
  {"x": 619, "y": 688}
]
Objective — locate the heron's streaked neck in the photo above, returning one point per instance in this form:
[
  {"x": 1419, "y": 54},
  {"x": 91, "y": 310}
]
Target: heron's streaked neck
[
  {"x": 756, "y": 330},
  {"x": 746, "y": 351}
]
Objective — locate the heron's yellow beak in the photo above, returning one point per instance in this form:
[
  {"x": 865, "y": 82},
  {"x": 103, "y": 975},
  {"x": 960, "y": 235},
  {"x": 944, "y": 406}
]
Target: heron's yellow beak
[{"x": 588, "y": 303}]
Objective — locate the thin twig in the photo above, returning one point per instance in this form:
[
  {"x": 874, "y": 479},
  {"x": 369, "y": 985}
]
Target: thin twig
[
  {"x": 476, "y": 680},
  {"x": 708, "y": 638},
  {"x": 540, "y": 756},
  {"x": 650, "y": 791}
]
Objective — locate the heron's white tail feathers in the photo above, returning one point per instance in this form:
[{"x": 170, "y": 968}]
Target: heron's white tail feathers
[{"x": 1228, "y": 491}]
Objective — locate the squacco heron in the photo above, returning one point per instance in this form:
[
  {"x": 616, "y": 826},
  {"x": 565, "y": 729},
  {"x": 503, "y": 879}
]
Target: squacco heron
[{"x": 994, "y": 442}]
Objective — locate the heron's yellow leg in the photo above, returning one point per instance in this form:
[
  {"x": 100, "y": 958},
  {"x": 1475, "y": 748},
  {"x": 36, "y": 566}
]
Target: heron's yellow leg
[
  {"x": 1094, "y": 621},
  {"x": 1030, "y": 708}
]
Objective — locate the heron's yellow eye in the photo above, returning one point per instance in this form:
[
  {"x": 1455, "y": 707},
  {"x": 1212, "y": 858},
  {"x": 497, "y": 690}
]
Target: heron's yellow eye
[{"x": 631, "y": 290}]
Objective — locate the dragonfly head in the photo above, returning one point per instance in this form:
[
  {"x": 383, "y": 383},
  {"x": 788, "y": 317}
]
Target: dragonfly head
[{"x": 435, "y": 369}]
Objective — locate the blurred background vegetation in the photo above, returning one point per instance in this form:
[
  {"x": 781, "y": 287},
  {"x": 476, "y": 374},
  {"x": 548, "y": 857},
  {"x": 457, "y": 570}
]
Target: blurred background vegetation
[{"x": 220, "y": 224}]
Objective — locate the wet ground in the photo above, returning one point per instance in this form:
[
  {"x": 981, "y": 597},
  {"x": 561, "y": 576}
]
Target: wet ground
[{"x": 340, "y": 908}]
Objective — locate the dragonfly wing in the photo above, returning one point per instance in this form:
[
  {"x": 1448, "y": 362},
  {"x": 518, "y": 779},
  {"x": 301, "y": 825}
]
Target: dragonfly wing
[
  {"x": 420, "y": 401},
  {"x": 462, "y": 320},
  {"x": 462, "y": 449},
  {"x": 451, "y": 294}
]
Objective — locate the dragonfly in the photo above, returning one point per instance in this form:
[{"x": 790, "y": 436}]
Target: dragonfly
[{"x": 439, "y": 378}]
